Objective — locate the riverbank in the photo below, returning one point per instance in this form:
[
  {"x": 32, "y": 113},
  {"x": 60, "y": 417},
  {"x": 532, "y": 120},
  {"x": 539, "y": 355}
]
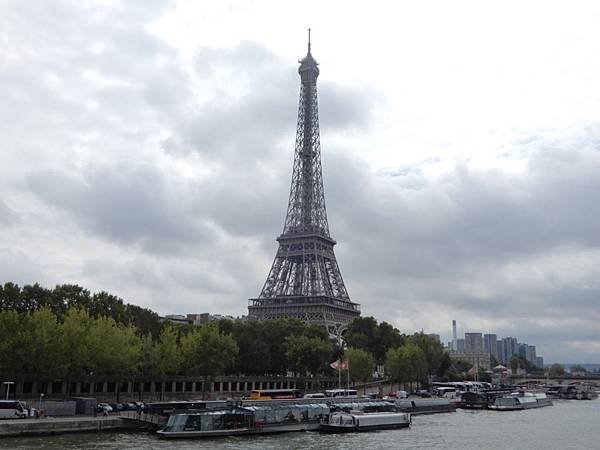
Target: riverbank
[
  {"x": 59, "y": 425},
  {"x": 566, "y": 425}
]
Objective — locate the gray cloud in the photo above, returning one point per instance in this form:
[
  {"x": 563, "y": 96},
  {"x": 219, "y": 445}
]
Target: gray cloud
[{"x": 126, "y": 205}]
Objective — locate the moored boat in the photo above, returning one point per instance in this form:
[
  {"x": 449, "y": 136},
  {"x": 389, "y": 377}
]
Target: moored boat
[
  {"x": 239, "y": 420},
  {"x": 575, "y": 391},
  {"x": 480, "y": 400},
  {"x": 520, "y": 400},
  {"x": 348, "y": 422}
]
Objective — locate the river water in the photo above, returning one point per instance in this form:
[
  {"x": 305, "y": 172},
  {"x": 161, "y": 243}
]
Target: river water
[{"x": 565, "y": 425}]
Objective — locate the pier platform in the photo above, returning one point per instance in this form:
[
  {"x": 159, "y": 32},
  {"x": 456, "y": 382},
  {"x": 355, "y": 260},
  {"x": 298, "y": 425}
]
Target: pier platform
[{"x": 55, "y": 425}]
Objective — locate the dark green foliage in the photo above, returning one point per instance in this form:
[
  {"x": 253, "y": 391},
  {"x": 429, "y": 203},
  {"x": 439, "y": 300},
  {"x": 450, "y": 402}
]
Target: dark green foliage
[
  {"x": 518, "y": 361},
  {"x": 556, "y": 370},
  {"x": 58, "y": 300},
  {"x": 577, "y": 368},
  {"x": 377, "y": 339},
  {"x": 406, "y": 363},
  {"x": 262, "y": 344},
  {"x": 457, "y": 369},
  {"x": 207, "y": 352},
  {"x": 432, "y": 351},
  {"x": 307, "y": 354},
  {"x": 361, "y": 362}
]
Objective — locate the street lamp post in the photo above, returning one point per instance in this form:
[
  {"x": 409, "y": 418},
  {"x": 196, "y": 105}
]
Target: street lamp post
[{"x": 41, "y": 397}]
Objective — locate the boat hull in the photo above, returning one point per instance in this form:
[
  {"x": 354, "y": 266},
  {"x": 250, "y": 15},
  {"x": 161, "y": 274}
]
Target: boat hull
[
  {"x": 265, "y": 429},
  {"x": 326, "y": 428}
]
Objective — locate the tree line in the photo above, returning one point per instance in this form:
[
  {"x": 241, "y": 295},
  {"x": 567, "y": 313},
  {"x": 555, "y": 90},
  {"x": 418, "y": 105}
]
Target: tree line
[
  {"x": 69, "y": 333},
  {"x": 29, "y": 298},
  {"x": 406, "y": 358}
]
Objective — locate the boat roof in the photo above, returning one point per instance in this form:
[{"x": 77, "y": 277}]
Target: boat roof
[
  {"x": 362, "y": 405},
  {"x": 251, "y": 409}
]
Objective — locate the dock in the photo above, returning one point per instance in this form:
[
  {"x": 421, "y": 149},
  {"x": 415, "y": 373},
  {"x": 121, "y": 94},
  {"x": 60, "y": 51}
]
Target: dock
[{"x": 57, "y": 425}]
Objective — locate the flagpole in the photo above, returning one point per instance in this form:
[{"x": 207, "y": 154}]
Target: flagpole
[{"x": 348, "y": 373}]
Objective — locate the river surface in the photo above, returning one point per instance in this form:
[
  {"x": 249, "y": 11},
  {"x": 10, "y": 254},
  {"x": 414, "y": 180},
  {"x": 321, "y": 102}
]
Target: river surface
[{"x": 565, "y": 425}]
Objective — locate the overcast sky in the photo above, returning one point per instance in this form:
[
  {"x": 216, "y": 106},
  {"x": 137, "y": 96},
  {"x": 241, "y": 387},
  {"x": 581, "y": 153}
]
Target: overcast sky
[{"x": 147, "y": 147}]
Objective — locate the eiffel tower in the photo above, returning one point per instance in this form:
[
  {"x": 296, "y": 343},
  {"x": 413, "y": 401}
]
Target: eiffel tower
[{"x": 305, "y": 281}]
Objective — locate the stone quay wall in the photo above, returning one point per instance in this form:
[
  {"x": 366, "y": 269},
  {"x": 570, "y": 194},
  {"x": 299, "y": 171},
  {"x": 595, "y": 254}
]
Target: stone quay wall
[{"x": 166, "y": 389}]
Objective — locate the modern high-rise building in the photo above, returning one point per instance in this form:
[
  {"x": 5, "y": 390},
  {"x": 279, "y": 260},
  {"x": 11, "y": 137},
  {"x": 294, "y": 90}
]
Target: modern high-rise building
[
  {"x": 305, "y": 281},
  {"x": 511, "y": 347},
  {"x": 473, "y": 343},
  {"x": 501, "y": 352},
  {"x": 539, "y": 361},
  {"x": 454, "y": 336},
  {"x": 530, "y": 353},
  {"x": 490, "y": 345},
  {"x": 460, "y": 345}
]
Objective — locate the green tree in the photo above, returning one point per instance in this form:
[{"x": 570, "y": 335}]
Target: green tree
[
  {"x": 116, "y": 349},
  {"x": 77, "y": 357},
  {"x": 377, "y": 339},
  {"x": 166, "y": 354},
  {"x": 12, "y": 351},
  {"x": 406, "y": 363},
  {"x": 255, "y": 351},
  {"x": 206, "y": 352},
  {"x": 306, "y": 354},
  {"x": 556, "y": 370},
  {"x": 10, "y": 297},
  {"x": 361, "y": 364},
  {"x": 432, "y": 350},
  {"x": 577, "y": 368},
  {"x": 41, "y": 341},
  {"x": 71, "y": 295},
  {"x": 35, "y": 297}
]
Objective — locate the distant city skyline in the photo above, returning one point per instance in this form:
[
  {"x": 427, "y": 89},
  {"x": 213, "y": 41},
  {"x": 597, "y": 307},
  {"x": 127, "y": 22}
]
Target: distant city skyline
[{"x": 147, "y": 152}]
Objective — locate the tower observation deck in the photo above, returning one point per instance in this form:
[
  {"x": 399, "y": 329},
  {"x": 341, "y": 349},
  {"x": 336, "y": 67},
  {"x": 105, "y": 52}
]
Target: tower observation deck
[{"x": 305, "y": 281}]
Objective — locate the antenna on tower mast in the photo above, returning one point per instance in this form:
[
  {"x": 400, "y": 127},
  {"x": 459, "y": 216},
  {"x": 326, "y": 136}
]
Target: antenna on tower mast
[{"x": 309, "y": 40}]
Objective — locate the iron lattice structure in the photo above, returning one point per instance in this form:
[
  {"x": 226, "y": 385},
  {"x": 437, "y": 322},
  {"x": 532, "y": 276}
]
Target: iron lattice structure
[{"x": 305, "y": 281}]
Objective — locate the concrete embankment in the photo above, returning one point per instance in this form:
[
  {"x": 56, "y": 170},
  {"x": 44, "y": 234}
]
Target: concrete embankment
[{"x": 56, "y": 425}]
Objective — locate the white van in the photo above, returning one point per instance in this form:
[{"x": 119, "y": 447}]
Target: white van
[
  {"x": 445, "y": 392},
  {"x": 12, "y": 409},
  {"x": 315, "y": 395}
]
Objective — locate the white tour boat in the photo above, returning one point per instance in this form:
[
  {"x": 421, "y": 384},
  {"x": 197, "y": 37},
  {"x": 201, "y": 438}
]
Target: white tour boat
[
  {"x": 520, "y": 400},
  {"x": 346, "y": 422}
]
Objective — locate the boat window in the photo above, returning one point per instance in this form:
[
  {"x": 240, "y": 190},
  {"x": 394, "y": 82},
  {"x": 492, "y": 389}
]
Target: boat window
[
  {"x": 176, "y": 422},
  {"x": 192, "y": 423},
  {"x": 348, "y": 420}
]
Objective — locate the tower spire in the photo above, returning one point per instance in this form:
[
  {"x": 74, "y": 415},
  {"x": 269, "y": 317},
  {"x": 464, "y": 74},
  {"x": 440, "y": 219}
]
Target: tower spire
[{"x": 309, "y": 41}]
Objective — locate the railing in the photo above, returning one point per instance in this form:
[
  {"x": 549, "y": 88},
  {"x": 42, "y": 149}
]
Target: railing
[{"x": 285, "y": 301}]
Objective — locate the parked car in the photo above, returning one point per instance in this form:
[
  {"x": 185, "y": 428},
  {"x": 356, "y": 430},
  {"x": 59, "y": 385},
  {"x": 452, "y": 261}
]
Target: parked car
[
  {"x": 101, "y": 407},
  {"x": 139, "y": 405}
]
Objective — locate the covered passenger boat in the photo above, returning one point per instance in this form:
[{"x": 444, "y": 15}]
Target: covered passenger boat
[
  {"x": 348, "y": 422},
  {"x": 520, "y": 400},
  {"x": 245, "y": 420}
]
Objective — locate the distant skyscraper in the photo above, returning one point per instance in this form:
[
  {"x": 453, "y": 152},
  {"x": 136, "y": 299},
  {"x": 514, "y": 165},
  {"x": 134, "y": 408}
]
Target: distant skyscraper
[
  {"x": 490, "y": 345},
  {"x": 511, "y": 347},
  {"x": 460, "y": 345},
  {"x": 530, "y": 353},
  {"x": 454, "y": 337},
  {"x": 473, "y": 343},
  {"x": 501, "y": 352},
  {"x": 539, "y": 361}
]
